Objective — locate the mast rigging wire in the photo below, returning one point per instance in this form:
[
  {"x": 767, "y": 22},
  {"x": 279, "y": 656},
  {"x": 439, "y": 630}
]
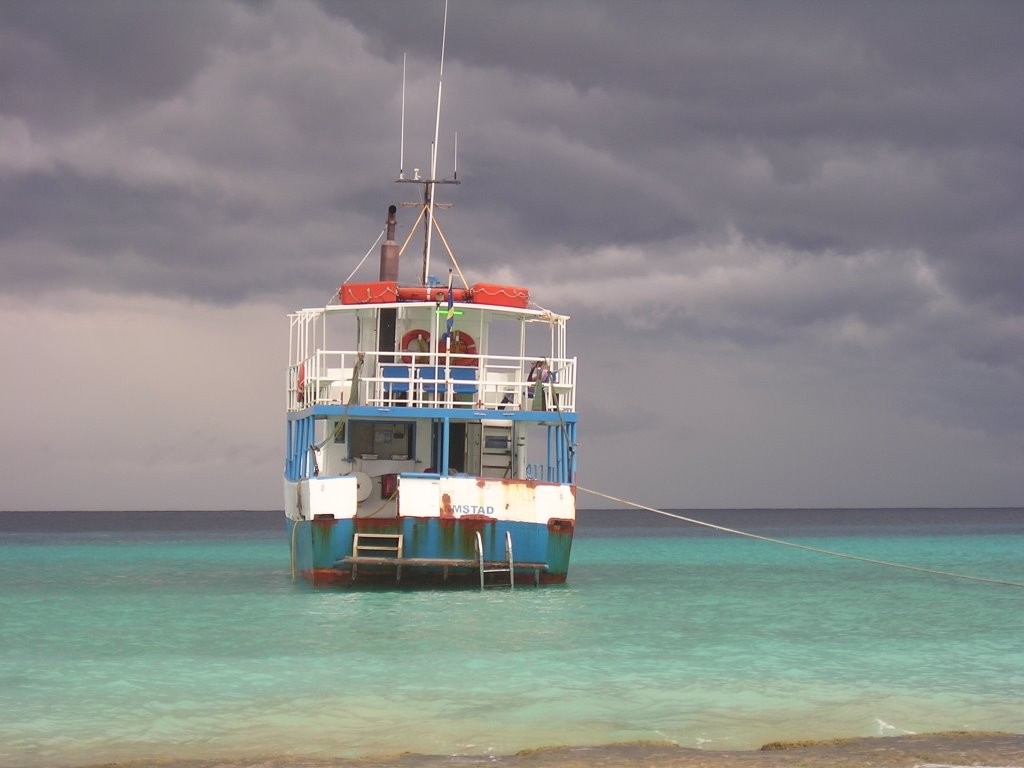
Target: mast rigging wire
[{"x": 366, "y": 256}]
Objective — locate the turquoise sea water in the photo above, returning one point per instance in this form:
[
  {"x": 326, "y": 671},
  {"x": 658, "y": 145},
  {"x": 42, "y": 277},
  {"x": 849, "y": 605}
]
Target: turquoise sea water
[{"x": 181, "y": 635}]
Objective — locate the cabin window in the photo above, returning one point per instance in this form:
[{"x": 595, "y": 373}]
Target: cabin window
[{"x": 381, "y": 440}]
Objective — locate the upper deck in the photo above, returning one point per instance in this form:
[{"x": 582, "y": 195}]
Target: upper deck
[{"x": 499, "y": 358}]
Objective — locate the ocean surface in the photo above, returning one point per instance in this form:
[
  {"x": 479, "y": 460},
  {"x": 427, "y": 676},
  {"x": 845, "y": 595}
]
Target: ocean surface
[{"x": 181, "y": 635}]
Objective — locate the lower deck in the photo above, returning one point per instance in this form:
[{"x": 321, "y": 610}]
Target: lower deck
[{"x": 406, "y": 551}]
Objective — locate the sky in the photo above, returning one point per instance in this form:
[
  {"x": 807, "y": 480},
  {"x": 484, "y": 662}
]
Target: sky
[{"x": 790, "y": 235}]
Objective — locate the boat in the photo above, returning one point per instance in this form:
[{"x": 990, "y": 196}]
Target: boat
[{"x": 431, "y": 427}]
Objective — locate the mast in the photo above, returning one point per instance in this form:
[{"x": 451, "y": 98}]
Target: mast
[
  {"x": 428, "y": 219},
  {"x": 428, "y": 203},
  {"x": 401, "y": 141},
  {"x": 429, "y": 188}
]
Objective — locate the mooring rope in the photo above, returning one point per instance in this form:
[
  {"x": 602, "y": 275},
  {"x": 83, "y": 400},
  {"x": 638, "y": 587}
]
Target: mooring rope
[
  {"x": 387, "y": 501},
  {"x": 794, "y": 545}
]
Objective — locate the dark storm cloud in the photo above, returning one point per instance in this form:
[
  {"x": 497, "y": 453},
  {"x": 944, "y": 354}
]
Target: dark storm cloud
[
  {"x": 248, "y": 153},
  {"x": 815, "y": 127},
  {"x": 63, "y": 61},
  {"x": 219, "y": 176},
  {"x": 101, "y": 233},
  {"x": 845, "y": 128},
  {"x": 800, "y": 220}
]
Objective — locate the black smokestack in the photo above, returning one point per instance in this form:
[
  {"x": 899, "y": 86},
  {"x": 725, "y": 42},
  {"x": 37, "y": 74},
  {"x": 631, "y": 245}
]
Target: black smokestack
[
  {"x": 389, "y": 272},
  {"x": 389, "y": 250}
]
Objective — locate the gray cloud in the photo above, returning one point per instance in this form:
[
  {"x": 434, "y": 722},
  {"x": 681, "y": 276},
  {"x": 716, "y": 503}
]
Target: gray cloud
[
  {"x": 64, "y": 63},
  {"x": 830, "y": 189}
]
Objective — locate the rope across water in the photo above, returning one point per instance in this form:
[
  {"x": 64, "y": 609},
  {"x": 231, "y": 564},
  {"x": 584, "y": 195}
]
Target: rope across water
[{"x": 804, "y": 547}]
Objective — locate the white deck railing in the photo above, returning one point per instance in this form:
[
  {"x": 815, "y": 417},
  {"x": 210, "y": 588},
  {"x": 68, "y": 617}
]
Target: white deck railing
[{"x": 495, "y": 382}]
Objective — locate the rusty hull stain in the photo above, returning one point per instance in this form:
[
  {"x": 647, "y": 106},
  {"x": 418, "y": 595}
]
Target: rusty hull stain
[
  {"x": 328, "y": 577},
  {"x": 447, "y": 513},
  {"x": 377, "y": 523},
  {"x": 525, "y": 482},
  {"x": 476, "y": 522},
  {"x": 321, "y": 529}
]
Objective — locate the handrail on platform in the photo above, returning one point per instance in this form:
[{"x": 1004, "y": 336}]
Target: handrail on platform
[{"x": 497, "y": 382}]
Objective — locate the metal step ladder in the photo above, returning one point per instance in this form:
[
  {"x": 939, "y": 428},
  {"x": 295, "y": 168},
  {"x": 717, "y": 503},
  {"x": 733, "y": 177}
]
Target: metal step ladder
[
  {"x": 378, "y": 545},
  {"x": 509, "y": 566},
  {"x": 496, "y": 449}
]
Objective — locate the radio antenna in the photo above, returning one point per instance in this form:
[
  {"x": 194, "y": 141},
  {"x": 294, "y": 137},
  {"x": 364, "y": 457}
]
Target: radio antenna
[
  {"x": 401, "y": 141},
  {"x": 429, "y": 189}
]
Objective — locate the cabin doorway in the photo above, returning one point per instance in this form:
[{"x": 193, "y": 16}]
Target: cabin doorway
[{"x": 456, "y": 462}]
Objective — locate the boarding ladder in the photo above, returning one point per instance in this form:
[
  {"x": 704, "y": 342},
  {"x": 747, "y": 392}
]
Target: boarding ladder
[
  {"x": 378, "y": 545},
  {"x": 496, "y": 449},
  {"x": 509, "y": 566},
  {"x": 387, "y": 550}
]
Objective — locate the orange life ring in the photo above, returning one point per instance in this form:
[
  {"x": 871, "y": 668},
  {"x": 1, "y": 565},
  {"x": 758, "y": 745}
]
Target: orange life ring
[
  {"x": 462, "y": 344},
  {"x": 300, "y": 383},
  {"x": 416, "y": 342}
]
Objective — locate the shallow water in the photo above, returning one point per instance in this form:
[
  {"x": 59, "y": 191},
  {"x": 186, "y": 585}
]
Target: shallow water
[{"x": 180, "y": 634}]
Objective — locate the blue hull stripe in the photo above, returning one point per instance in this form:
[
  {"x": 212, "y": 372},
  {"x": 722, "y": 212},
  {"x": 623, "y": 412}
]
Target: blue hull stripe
[{"x": 322, "y": 544}]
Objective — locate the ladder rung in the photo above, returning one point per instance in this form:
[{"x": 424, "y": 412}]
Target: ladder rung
[{"x": 384, "y": 546}]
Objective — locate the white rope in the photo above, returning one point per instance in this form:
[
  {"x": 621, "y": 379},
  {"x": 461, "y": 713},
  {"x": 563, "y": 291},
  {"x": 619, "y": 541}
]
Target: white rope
[
  {"x": 367, "y": 254},
  {"x": 799, "y": 546},
  {"x": 295, "y": 525}
]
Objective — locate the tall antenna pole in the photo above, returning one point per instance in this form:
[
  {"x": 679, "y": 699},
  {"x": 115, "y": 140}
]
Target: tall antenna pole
[
  {"x": 433, "y": 153},
  {"x": 401, "y": 142}
]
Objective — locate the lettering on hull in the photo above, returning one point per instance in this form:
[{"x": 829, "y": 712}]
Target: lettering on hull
[
  {"x": 471, "y": 509},
  {"x": 450, "y": 510}
]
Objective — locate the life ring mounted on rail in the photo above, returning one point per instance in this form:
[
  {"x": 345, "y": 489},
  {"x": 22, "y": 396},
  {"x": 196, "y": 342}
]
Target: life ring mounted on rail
[
  {"x": 461, "y": 344},
  {"x": 415, "y": 343}
]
